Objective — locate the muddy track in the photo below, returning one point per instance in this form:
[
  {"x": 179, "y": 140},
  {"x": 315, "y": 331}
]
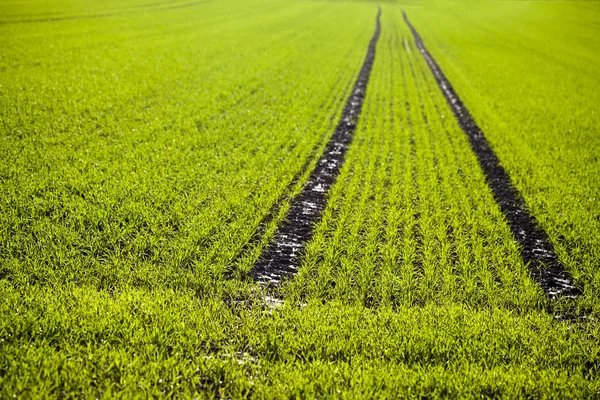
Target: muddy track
[
  {"x": 333, "y": 102},
  {"x": 536, "y": 249},
  {"x": 282, "y": 256}
]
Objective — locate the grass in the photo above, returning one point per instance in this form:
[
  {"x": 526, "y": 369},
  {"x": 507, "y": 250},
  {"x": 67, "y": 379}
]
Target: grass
[
  {"x": 138, "y": 343},
  {"x": 141, "y": 152}
]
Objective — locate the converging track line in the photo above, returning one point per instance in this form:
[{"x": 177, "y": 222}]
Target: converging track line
[
  {"x": 536, "y": 249},
  {"x": 282, "y": 256}
]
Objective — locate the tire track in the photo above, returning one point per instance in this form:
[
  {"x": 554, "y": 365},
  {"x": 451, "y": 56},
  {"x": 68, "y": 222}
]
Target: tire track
[
  {"x": 536, "y": 249},
  {"x": 288, "y": 194},
  {"x": 253, "y": 247},
  {"x": 282, "y": 256}
]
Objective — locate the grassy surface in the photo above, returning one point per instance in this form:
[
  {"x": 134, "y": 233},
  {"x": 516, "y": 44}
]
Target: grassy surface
[
  {"x": 84, "y": 342},
  {"x": 142, "y": 150}
]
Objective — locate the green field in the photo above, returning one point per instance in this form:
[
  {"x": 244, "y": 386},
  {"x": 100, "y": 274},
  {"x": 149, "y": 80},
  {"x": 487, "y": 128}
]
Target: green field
[{"x": 149, "y": 151}]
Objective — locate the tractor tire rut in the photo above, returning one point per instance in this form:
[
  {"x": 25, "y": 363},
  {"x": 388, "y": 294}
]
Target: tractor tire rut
[
  {"x": 536, "y": 249},
  {"x": 282, "y": 256}
]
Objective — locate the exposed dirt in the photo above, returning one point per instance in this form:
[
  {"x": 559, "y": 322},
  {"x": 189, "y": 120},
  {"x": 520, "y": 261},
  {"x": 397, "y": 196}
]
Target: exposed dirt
[
  {"x": 282, "y": 257},
  {"x": 287, "y": 194},
  {"x": 536, "y": 249}
]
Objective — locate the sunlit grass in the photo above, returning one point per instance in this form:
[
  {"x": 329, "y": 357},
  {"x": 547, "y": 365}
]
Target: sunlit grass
[{"x": 142, "y": 152}]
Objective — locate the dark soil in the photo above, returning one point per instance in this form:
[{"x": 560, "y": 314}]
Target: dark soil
[
  {"x": 536, "y": 249},
  {"x": 282, "y": 256}
]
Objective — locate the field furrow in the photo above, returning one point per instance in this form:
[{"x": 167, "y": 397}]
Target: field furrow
[
  {"x": 525, "y": 72},
  {"x": 282, "y": 257}
]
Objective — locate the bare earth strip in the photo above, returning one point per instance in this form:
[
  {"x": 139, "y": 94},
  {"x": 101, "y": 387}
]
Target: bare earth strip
[
  {"x": 536, "y": 249},
  {"x": 282, "y": 257}
]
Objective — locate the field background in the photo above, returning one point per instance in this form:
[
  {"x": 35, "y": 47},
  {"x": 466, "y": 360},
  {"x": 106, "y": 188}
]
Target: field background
[{"x": 143, "y": 144}]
